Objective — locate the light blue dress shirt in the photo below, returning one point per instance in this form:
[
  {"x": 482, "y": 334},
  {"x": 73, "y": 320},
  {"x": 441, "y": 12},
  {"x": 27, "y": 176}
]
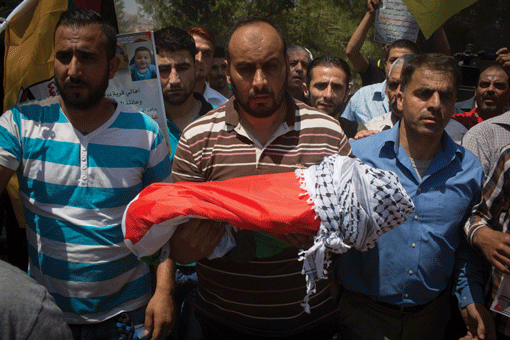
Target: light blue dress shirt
[
  {"x": 367, "y": 103},
  {"x": 413, "y": 263}
]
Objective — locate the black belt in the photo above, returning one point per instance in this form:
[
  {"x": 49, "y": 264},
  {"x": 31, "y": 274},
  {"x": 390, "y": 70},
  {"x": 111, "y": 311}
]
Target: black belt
[{"x": 410, "y": 309}]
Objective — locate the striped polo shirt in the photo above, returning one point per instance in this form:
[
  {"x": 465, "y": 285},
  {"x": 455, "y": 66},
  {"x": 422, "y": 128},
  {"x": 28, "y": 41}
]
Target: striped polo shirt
[
  {"x": 264, "y": 295},
  {"x": 74, "y": 189}
]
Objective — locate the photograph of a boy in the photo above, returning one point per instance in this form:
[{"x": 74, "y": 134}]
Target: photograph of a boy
[{"x": 143, "y": 69}]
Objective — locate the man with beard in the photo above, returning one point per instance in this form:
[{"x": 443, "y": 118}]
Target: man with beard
[
  {"x": 491, "y": 95},
  {"x": 299, "y": 59},
  {"x": 256, "y": 289},
  {"x": 327, "y": 89},
  {"x": 80, "y": 159},
  {"x": 177, "y": 70}
]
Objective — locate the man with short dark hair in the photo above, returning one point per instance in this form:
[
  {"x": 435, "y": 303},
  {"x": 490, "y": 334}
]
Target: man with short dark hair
[
  {"x": 177, "y": 69},
  {"x": 218, "y": 75},
  {"x": 299, "y": 59},
  {"x": 255, "y": 290},
  {"x": 205, "y": 45},
  {"x": 404, "y": 294},
  {"x": 80, "y": 159},
  {"x": 327, "y": 88},
  {"x": 491, "y": 95}
]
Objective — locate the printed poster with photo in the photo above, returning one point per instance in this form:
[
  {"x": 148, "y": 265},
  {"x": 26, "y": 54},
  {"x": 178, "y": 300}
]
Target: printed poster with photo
[
  {"x": 394, "y": 21},
  {"x": 136, "y": 83},
  {"x": 501, "y": 303}
]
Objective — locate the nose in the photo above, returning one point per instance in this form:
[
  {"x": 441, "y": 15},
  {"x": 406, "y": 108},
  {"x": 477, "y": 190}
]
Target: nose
[
  {"x": 328, "y": 93},
  {"x": 74, "y": 69},
  {"x": 173, "y": 77},
  {"x": 259, "y": 79},
  {"x": 434, "y": 102},
  {"x": 199, "y": 56}
]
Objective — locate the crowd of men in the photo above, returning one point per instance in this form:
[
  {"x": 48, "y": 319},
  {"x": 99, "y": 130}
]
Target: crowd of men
[{"x": 256, "y": 106}]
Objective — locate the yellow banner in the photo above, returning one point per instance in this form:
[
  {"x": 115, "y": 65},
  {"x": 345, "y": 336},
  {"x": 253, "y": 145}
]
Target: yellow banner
[
  {"x": 431, "y": 14},
  {"x": 29, "y": 51}
]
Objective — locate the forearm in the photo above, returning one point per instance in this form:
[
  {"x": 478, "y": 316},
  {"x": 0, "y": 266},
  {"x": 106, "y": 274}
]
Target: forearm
[
  {"x": 165, "y": 277},
  {"x": 353, "y": 49},
  {"x": 440, "y": 41}
]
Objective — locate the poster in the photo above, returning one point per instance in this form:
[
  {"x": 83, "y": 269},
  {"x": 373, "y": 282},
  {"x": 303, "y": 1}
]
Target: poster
[
  {"x": 136, "y": 83},
  {"x": 501, "y": 303},
  {"x": 394, "y": 21}
]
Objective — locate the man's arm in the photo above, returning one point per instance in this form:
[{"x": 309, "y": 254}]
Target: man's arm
[
  {"x": 483, "y": 227},
  {"x": 160, "y": 312},
  {"x": 503, "y": 57},
  {"x": 353, "y": 49},
  {"x": 440, "y": 41}
]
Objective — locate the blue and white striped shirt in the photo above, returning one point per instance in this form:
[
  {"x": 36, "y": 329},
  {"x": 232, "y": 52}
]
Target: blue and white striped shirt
[{"x": 75, "y": 189}]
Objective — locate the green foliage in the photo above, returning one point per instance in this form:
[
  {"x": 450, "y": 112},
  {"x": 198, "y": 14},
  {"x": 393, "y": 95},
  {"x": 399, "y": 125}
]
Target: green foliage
[{"x": 323, "y": 26}]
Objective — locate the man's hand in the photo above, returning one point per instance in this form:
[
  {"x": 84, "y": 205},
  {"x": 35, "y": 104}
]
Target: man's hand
[
  {"x": 495, "y": 246},
  {"x": 195, "y": 240},
  {"x": 373, "y": 5},
  {"x": 479, "y": 322},
  {"x": 365, "y": 133},
  {"x": 503, "y": 57},
  {"x": 160, "y": 315},
  {"x": 299, "y": 240}
]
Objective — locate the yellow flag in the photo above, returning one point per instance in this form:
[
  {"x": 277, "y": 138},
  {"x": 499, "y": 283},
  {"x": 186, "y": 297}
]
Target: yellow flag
[
  {"x": 28, "y": 63},
  {"x": 29, "y": 51},
  {"x": 431, "y": 14}
]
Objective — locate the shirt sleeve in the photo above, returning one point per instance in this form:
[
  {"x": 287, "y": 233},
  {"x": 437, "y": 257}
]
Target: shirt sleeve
[
  {"x": 471, "y": 268},
  {"x": 159, "y": 165},
  {"x": 184, "y": 167},
  {"x": 10, "y": 145}
]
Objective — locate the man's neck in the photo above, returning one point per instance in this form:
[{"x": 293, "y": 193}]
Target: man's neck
[
  {"x": 487, "y": 114},
  {"x": 264, "y": 128},
  {"x": 419, "y": 147},
  {"x": 90, "y": 119},
  {"x": 182, "y": 115},
  {"x": 200, "y": 86},
  {"x": 297, "y": 94}
]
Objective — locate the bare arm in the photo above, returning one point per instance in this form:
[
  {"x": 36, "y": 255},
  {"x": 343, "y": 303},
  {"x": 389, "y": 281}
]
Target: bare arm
[
  {"x": 195, "y": 240},
  {"x": 358, "y": 60},
  {"x": 503, "y": 57},
  {"x": 440, "y": 41},
  {"x": 160, "y": 313}
]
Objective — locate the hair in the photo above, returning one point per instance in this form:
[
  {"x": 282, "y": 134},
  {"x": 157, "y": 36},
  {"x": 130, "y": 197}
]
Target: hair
[
  {"x": 203, "y": 33},
  {"x": 400, "y": 61},
  {"x": 173, "y": 39},
  {"x": 298, "y": 48},
  {"x": 248, "y": 21},
  {"x": 493, "y": 64},
  {"x": 82, "y": 17},
  {"x": 430, "y": 61},
  {"x": 402, "y": 43},
  {"x": 142, "y": 48},
  {"x": 219, "y": 52},
  {"x": 328, "y": 61}
]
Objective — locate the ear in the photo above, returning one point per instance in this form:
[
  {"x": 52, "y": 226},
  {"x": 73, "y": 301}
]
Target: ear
[
  {"x": 229, "y": 80},
  {"x": 114, "y": 66},
  {"x": 306, "y": 92}
]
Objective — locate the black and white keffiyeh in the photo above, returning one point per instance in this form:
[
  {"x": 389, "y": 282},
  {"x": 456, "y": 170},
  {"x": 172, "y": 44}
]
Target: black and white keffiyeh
[{"x": 356, "y": 203}]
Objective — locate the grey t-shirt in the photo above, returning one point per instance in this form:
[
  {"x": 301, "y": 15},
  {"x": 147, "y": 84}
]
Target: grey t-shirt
[{"x": 27, "y": 310}]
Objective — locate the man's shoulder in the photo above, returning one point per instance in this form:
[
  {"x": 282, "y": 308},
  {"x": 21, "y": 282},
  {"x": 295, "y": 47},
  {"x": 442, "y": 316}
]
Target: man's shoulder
[{"x": 130, "y": 118}]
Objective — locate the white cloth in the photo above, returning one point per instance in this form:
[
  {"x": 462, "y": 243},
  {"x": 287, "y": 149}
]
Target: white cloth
[{"x": 213, "y": 97}]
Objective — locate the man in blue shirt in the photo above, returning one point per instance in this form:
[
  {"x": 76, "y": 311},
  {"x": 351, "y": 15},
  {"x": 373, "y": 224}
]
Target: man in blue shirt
[{"x": 400, "y": 289}]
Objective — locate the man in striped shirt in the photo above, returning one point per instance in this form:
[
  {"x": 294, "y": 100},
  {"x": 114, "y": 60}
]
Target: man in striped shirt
[
  {"x": 80, "y": 159},
  {"x": 487, "y": 228},
  {"x": 256, "y": 290}
]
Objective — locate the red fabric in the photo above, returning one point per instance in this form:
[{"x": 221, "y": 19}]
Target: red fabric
[
  {"x": 274, "y": 203},
  {"x": 468, "y": 119}
]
